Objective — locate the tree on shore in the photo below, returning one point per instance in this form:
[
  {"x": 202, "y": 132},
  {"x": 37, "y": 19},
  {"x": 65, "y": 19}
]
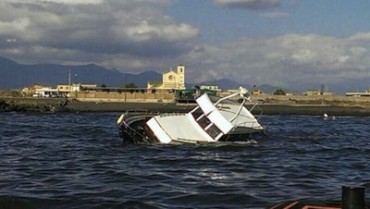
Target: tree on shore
[
  {"x": 131, "y": 86},
  {"x": 104, "y": 88},
  {"x": 279, "y": 92}
]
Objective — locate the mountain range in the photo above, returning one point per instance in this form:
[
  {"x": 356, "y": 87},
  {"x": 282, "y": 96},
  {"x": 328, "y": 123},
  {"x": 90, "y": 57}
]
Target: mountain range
[{"x": 15, "y": 76}]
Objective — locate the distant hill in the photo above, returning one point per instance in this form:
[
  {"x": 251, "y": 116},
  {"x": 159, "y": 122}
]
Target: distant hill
[{"x": 14, "y": 75}]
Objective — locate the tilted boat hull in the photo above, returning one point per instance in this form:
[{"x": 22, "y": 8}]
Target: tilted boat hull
[
  {"x": 207, "y": 123},
  {"x": 138, "y": 131}
]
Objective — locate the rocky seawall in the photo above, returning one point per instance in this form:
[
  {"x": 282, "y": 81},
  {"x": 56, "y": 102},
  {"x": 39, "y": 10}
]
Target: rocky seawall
[{"x": 271, "y": 105}]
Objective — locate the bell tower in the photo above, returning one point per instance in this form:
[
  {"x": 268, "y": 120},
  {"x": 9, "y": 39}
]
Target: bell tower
[{"x": 181, "y": 76}]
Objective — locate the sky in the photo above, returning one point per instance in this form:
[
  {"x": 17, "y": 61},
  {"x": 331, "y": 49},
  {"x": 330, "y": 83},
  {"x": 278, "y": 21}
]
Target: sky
[{"x": 286, "y": 43}]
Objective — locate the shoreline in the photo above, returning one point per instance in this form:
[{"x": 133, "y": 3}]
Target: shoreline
[{"x": 277, "y": 107}]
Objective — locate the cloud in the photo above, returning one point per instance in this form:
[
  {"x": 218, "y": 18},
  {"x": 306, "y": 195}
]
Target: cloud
[
  {"x": 275, "y": 14},
  {"x": 361, "y": 37},
  {"x": 57, "y": 1},
  {"x": 248, "y": 4},
  {"x": 292, "y": 61},
  {"x": 135, "y": 29},
  {"x": 72, "y": 1},
  {"x": 18, "y": 25}
]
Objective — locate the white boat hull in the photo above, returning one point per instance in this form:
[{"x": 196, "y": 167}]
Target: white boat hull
[{"x": 207, "y": 123}]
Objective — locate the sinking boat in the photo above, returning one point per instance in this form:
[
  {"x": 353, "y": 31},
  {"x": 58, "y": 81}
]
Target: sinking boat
[{"x": 208, "y": 122}]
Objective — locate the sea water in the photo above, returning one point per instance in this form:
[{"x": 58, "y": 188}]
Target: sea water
[{"x": 70, "y": 160}]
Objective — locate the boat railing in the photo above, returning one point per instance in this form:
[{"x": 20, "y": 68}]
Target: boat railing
[
  {"x": 257, "y": 105},
  {"x": 170, "y": 114},
  {"x": 238, "y": 113},
  {"x": 132, "y": 119},
  {"x": 252, "y": 124}
]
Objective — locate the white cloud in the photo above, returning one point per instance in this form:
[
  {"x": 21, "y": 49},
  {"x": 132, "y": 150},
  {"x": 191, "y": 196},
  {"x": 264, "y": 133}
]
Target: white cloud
[
  {"x": 144, "y": 31},
  {"x": 362, "y": 37},
  {"x": 275, "y": 14},
  {"x": 11, "y": 40},
  {"x": 290, "y": 61},
  {"x": 138, "y": 29},
  {"x": 56, "y": 1},
  {"x": 18, "y": 25},
  {"x": 249, "y": 4},
  {"x": 74, "y": 1}
]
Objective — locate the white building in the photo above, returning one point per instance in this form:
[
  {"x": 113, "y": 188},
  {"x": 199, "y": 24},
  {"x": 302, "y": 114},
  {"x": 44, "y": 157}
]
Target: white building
[{"x": 46, "y": 92}]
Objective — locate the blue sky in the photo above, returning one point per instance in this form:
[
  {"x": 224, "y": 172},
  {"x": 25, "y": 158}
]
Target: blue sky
[{"x": 293, "y": 44}]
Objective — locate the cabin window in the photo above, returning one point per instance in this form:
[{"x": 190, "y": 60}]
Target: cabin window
[
  {"x": 203, "y": 121},
  {"x": 213, "y": 131}
]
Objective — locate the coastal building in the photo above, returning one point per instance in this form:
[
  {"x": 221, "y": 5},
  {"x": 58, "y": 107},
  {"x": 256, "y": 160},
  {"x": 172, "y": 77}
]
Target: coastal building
[
  {"x": 323, "y": 91},
  {"x": 327, "y": 93},
  {"x": 289, "y": 94},
  {"x": 312, "y": 93},
  {"x": 65, "y": 90},
  {"x": 358, "y": 94},
  {"x": 210, "y": 87},
  {"x": 256, "y": 92},
  {"x": 84, "y": 87},
  {"x": 34, "y": 89},
  {"x": 172, "y": 79},
  {"x": 46, "y": 92}
]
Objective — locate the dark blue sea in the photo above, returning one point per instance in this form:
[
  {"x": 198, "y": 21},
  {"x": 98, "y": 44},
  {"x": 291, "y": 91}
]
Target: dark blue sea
[{"x": 70, "y": 160}]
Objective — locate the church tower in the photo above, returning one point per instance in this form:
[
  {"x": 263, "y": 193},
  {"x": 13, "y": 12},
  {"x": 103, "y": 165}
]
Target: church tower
[{"x": 181, "y": 76}]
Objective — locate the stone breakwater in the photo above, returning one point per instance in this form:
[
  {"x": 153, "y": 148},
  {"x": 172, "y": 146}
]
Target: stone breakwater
[
  {"x": 316, "y": 100},
  {"x": 315, "y": 105},
  {"x": 271, "y": 105},
  {"x": 19, "y": 104}
]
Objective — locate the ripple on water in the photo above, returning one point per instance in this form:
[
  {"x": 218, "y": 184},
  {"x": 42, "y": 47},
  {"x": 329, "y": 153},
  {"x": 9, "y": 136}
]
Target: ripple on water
[{"x": 78, "y": 161}]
